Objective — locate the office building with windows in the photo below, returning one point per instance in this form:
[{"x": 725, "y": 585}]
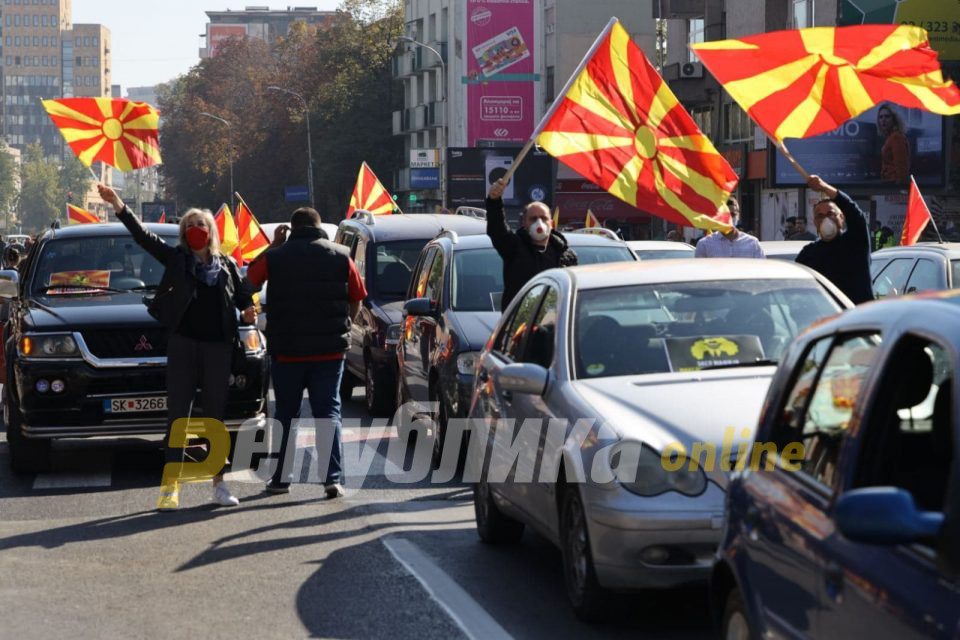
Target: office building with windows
[{"x": 259, "y": 22}]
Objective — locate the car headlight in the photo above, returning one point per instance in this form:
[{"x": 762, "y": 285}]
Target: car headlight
[
  {"x": 54, "y": 345},
  {"x": 251, "y": 339},
  {"x": 649, "y": 477},
  {"x": 394, "y": 332},
  {"x": 467, "y": 362}
]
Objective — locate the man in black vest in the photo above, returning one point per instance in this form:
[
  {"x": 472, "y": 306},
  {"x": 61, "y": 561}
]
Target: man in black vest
[{"x": 315, "y": 292}]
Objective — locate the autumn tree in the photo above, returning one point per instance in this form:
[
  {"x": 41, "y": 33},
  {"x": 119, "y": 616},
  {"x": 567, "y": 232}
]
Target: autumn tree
[{"x": 40, "y": 195}]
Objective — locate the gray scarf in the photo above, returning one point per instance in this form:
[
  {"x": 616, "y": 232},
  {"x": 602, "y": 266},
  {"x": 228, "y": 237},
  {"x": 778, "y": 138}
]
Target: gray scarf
[{"x": 207, "y": 273}]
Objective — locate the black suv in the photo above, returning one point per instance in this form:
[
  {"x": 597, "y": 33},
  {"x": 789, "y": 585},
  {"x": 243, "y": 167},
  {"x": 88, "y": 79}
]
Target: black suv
[
  {"x": 82, "y": 355},
  {"x": 385, "y": 250}
]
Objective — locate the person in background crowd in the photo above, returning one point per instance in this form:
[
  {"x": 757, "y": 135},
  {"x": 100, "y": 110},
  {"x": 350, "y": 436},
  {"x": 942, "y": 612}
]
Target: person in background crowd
[
  {"x": 315, "y": 293},
  {"x": 895, "y": 152},
  {"x": 534, "y": 248},
  {"x": 841, "y": 254},
  {"x": 881, "y": 236},
  {"x": 789, "y": 227},
  {"x": 732, "y": 243},
  {"x": 11, "y": 257},
  {"x": 800, "y": 230},
  {"x": 675, "y": 235},
  {"x": 201, "y": 288}
]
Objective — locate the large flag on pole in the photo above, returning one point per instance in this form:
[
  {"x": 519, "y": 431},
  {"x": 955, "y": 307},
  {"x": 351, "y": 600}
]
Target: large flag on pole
[
  {"x": 229, "y": 238},
  {"x": 618, "y": 124},
  {"x": 251, "y": 238},
  {"x": 801, "y": 83},
  {"x": 370, "y": 194},
  {"x": 120, "y": 133},
  {"x": 77, "y": 215},
  {"x": 918, "y": 216}
]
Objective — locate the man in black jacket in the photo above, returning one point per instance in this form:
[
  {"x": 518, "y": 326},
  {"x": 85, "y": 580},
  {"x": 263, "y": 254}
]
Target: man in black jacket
[
  {"x": 843, "y": 256},
  {"x": 534, "y": 248},
  {"x": 315, "y": 292}
]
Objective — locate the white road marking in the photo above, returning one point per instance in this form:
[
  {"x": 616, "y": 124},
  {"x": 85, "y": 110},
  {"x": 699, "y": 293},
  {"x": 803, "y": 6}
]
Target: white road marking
[
  {"x": 472, "y": 619},
  {"x": 72, "y": 480}
]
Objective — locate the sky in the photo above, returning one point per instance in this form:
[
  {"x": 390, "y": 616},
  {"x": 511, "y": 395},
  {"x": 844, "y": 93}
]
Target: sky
[{"x": 156, "y": 42}]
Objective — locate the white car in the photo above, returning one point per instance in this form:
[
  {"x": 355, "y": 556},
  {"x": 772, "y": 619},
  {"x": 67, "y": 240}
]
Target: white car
[
  {"x": 660, "y": 249},
  {"x": 659, "y": 355},
  {"x": 783, "y": 249}
]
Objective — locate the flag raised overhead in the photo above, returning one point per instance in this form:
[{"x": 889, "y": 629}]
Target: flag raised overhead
[
  {"x": 369, "y": 194},
  {"x": 804, "y": 82},
  {"x": 618, "y": 124}
]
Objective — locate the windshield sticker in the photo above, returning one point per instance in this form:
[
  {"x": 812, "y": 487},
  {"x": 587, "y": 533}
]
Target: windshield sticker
[
  {"x": 595, "y": 369},
  {"x": 88, "y": 278},
  {"x": 704, "y": 352}
]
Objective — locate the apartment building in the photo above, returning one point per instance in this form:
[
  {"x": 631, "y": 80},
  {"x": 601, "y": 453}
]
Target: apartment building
[{"x": 259, "y": 22}]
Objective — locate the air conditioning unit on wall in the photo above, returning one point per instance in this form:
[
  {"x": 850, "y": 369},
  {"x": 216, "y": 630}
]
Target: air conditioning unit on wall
[{"x": 691, "y": 70}]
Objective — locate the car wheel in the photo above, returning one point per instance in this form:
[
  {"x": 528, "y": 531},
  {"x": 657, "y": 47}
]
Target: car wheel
[
  {"x": 493, "y": 526},
  {"x": 376, "y": 393},
  {"x": 584, "y": 592},
  {"x": 26, "y": 455},
  {"x": 736, "y": 625}
]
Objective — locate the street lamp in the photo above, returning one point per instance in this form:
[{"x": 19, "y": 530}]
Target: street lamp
[
  {"x": 306, "y": 116},
  {"x": 229, "y": 126},
  {"x": 443, "y": 127}
]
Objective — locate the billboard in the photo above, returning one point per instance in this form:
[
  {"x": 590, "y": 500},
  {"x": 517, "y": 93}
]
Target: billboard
[
  {"x": 217, "y": 34},
  {"x": 867, "y": 151},
  {"x": 940, "y": 19},
  {"x": 500, "y": 59},
  {"x": 471, "y": 171},
  {"x": 424, "y": 178}
]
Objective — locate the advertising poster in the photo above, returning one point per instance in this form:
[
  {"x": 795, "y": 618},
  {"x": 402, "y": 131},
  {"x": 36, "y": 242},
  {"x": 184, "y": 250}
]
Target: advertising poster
[
  {"x": 218, "y": 34},
  {"x": 879, "y": 148},
  {"x": 500, "y": 70},
  {"x": 471, "y": 171},
  {"x": 941, "y": 19}
]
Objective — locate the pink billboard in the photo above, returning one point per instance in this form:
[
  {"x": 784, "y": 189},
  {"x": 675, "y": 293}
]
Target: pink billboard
[{"x": 501, "y": 66}]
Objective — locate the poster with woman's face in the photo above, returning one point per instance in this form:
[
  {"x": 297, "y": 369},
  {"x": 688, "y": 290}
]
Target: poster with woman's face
[{"x": 879, "y": 148}]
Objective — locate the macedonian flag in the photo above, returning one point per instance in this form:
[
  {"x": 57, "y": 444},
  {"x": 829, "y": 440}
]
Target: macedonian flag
[
  {"x": 618, "y": 124},
  {"x": 229, "y": 237},
  {"x": 370, "y": 195},
  {"x": 252, "y": 240},
  {"x": 801, "y": 83},
  {"x": 120, "y": 133},
  {"x": 77, "y": 215}
]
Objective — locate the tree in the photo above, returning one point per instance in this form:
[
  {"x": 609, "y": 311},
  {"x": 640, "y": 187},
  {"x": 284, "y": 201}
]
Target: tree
[
  {"x": 8, "y": 181},
  {"x": 75, "y": 179},
  {"x": 40, "y": 194}
]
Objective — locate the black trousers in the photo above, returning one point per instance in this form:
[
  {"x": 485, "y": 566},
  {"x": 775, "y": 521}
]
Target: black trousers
[{"x": 192, "y": 364}]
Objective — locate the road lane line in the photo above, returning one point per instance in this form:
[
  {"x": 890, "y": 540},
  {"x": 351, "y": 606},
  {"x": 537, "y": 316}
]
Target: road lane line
[
  {"x": 465, "y": 612},
  {"x": 72, "y": 480}
]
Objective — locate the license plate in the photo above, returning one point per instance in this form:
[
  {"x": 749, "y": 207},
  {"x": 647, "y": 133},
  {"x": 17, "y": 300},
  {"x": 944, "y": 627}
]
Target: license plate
[{"x": 134, "y": 405}]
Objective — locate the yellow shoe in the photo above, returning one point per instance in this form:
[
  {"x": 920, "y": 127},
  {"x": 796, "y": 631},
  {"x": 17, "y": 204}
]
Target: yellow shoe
[{"x": 169, "y": 497}]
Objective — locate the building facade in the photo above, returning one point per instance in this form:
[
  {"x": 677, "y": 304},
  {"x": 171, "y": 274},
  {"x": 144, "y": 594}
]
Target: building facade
[{"x": 259, "y": 22}]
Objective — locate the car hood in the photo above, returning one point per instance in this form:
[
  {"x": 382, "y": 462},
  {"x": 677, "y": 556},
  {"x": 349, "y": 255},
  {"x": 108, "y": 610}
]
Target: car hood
[
  {"x": 476, "y": 327},
  {"x": 680, "y": 407},
  {"x": 54, "y": 313}
]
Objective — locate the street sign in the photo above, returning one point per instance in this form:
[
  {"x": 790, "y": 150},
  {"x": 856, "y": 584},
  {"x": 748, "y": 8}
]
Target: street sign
[
  {"x": 297, "y": 193},
  {"x": 424, "y": 178}
]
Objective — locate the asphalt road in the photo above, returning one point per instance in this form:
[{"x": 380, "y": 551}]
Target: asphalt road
[{"x": 83, "y": 554}]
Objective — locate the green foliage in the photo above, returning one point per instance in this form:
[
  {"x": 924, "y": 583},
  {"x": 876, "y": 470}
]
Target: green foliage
[
  {"x": 343, "y": 71},
  {"x": 40, "y": 194},
  {"x": 8, "y": 180},
  {"x": 75, "y": 179}
]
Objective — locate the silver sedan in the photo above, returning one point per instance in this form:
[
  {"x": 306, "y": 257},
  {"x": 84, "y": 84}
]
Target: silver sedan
[{"x": 597, "y": 387}]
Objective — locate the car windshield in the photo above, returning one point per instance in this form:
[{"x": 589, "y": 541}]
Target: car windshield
[
  {"x": 393, "y": 264},
  {"x": 658, "y": 254},
  {"x": 692, "y": 325},
  {"x": 599, "y": 255},
  {"x": 477, "y": 278},
  {"x": 69, "y": 265}
]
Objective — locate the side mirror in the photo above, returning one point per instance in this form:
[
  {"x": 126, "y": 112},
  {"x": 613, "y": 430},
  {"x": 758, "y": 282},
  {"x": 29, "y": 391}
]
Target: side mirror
[
  {"x": 524, "y": 377},
  {"x": 9, "y": 281},
  {"x": 884, "y": 515},
  {"x": 419, "y": 307}
]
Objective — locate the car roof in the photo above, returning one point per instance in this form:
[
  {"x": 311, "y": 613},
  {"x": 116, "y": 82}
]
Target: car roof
[
  {"x": 659, "y": 245},
  {"x": 411, "y": 226},
  {"x": 108, "y": 229},
  {"x": 884, "y": 314},
  {"x": 619, "y": 274},
  {"x": 574, "y": 240},
  {"x": 951, "y": 249},
  {"x": 783, "y": 246},
  {"x": 270, "y": 228}
]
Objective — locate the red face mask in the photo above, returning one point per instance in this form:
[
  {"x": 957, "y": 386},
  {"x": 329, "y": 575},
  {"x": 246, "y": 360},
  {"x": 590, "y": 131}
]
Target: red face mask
[{"x": 197, "y": 238}]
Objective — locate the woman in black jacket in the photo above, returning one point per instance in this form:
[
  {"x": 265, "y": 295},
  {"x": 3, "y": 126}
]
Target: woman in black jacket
[{"x": 195, "y": 300}]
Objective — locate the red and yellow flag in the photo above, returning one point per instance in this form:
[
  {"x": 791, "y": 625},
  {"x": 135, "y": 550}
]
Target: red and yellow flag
[
  {"x": 591, "y": 222},
  {"x": 252, "y": 240},
  {"x": 370, "y": 195},
  {"x": 801, "y": 83},
  {"x": 229, "y": 237},
  {"x": 618, "y": 124},
  {"x": 77, "y": 215},
  {"x": 86, "y": 278},
  {"x": 120, "y": 133},
  {"x": 556, "y": 218},
  {"x": 918, "y": 216},
  {"x": 163, "y": 217}
]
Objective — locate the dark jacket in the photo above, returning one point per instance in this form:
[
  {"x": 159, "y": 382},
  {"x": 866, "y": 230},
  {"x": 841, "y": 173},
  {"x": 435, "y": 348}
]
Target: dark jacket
[
  {"x": 178, "y": 284},
  {"x": 845, "y": 260},
  {"x": 522, "y": 259},
  {"x": 309, "y": 306}
]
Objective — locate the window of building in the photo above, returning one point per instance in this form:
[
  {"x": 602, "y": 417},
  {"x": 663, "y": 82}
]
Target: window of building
[
  {"x": 79, "y": 41},
  {"x": 695, "y": 33},
  {"x": 86, "y": 41},
  {"x": 96, "y": 41},
  {"x": 16, "y": 40},
  {"x": 36, "y": 21},
  {"x": 738, "y": 123},
  {"x": 16, "y": 20},
  {"x": 36, "y": 41},
  {"x": 43, "y": 20},
  {"x": 801, "y": 16},
  {"x": 46, "y": 61}
]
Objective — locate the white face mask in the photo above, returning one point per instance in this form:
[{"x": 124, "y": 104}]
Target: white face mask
[
  {"x": 538, "y": 231},
  {"x": 828, "y": 229}
]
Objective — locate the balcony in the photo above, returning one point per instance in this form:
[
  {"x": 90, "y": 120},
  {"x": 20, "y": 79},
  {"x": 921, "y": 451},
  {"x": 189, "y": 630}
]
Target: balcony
[
  {"x": 436, "y": 114},
  {"x": 408, "y": 62},
  {"x": 430, "y": 58}
]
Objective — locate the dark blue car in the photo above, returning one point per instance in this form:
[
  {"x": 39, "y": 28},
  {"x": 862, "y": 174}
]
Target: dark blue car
[{"x": 845, "y": 522}]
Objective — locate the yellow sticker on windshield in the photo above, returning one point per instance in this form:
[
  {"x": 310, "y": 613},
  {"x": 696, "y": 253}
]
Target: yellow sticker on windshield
[
  {"x": 86, "y": 278},
  {"x": 715, "y": 347}
]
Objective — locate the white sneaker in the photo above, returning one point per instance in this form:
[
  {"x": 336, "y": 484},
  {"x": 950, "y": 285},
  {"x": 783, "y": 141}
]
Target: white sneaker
[
  {"x": 223, "y": 497},
  {"x": 334, "y": 490}
]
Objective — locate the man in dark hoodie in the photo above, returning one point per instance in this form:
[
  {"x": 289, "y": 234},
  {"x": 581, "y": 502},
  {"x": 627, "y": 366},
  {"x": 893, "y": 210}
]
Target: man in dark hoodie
[{"x": 536, "y": 247}]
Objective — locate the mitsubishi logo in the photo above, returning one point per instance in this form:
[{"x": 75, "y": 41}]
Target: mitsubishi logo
[{"x": 143, "y": 345}]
